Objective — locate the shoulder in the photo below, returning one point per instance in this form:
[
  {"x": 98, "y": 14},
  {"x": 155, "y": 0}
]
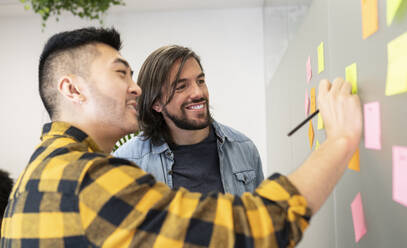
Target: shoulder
[
  {"x": 137, "y": 147},
  {"x": 230, "y": 133}
]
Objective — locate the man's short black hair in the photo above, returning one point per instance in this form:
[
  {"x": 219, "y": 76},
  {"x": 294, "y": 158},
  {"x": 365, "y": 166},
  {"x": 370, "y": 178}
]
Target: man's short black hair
[
  {"x": 6, "y": 184},
  {"x": 65, "y": 53}
]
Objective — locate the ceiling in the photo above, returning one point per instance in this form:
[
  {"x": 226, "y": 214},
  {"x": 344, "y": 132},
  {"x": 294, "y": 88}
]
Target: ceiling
[{"x": 14, "y": 7}]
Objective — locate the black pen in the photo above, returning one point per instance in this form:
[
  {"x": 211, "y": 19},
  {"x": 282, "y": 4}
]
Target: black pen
[{"x": 303, "y": 122}]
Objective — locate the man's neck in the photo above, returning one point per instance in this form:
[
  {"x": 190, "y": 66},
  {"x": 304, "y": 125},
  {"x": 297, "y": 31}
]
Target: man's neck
[
  {"x": 188, "y": 137},
  {"x": 101, "y": 135}
]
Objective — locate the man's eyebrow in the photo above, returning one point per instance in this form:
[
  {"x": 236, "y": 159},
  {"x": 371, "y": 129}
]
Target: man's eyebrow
[
  {"x": 124, "y": 62},
  {"x": 121, "y": 61},
  {"x": 201, "y": 75},
  {"x": 184, "y": 79}
]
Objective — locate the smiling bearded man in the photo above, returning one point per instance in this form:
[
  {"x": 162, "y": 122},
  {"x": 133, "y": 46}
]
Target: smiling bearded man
[{"x": 181, "y": 144}]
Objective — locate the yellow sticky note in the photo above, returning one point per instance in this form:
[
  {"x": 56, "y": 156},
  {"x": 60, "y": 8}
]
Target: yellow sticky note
[
  {"x": 313, "y": 101},
  {"x": 311, "y": 134},
  {"x": 354, "y": 161},
  {"x": 321, "y": 58},
  {"x": 317, "y": 145},
  {"x": 392, "y": 8},
  {"x": 396, "y": 81},
  {"x": 370, "y": 18},
  {"x": 352, "y": 77},
  {"x": 320, "y": 122}
]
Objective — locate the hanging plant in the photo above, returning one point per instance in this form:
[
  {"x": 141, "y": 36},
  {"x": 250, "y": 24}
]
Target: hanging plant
[{"x": 89, "y": 9}]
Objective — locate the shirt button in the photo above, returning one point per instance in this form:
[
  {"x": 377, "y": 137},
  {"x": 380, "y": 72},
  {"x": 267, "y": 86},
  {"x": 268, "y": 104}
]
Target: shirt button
[{"x": 170, "y": 172}]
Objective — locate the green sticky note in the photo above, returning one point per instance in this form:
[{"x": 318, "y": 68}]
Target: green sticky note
[
  {"x": 321, "y": 59},
  {"x": 320, "y": 122},
  {"x": 396, "y": 81},
  {"x": 351, "y": 74},
  {"x": 392, "y": 7}
]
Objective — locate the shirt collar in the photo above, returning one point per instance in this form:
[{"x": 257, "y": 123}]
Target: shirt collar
[
  {"x": 220, "y": 133},
  {"x": 64, "y": 129}
]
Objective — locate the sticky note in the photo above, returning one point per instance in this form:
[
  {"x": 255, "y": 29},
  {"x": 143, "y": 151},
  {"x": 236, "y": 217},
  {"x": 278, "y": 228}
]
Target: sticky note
[
  {"x": 391, "y": 10},
  {"x": 321, "y": 58},
  {"x": 370, "y": 18},
  {"x": 400, "y": 174},
  {"x": 358, "y": 217},
  {"x": 306, "y": 103},
  {"x": 320, "y": 122},
  {"x": 354, "y": 163},
  {"x": 311, "y": 134},
  {"x": 317, "y": 145},
  {"x": 309, "y": 69},
  {"x": 372, "y": 125},
  {"x": 313, "y": 104},
  {"x": 351, "y": 76},
  {"x": 396, "y": 81}
]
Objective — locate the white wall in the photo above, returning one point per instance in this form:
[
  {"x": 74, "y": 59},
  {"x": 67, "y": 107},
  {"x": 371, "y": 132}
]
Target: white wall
[
  {"x": 229, "y": 41},
  {"x": 280, "y": 27}
]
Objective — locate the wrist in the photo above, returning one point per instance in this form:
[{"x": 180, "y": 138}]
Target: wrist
[{"x": 343, "y": 145}]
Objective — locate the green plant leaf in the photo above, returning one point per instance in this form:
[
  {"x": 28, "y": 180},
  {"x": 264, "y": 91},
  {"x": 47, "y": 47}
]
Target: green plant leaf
[{"x": 85, "y": 9}]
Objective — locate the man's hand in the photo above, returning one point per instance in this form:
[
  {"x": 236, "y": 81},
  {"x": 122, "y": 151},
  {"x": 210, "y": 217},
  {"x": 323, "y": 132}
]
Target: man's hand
[
  {"x": 341, "y": 112},
  {"x": 342, "y": 116}
]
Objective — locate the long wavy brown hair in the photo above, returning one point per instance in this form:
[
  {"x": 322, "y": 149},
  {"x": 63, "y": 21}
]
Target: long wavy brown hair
[{"x": 153, "y": 76}]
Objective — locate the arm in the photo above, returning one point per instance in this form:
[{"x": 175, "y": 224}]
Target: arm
[
  {"x": 122, "y": 206},
  {"x": 341, "y": 113},
  {"x": 257, "y": 165}
]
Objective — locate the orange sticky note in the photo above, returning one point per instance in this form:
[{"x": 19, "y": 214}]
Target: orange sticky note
[
  {"x": 311, "y": 134},
  {"x": 354, "y": 161},
  {"x": 313, "y": 107},
  {"x": 370, "y": 17}
]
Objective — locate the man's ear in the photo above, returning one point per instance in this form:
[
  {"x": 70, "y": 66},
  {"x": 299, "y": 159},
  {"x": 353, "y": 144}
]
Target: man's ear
[
  {"x": 68, "y": 86},
  {"x": 157, "y": 106}
]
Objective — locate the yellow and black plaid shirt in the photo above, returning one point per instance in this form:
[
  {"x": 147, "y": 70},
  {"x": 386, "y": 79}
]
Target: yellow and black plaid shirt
[{"x": 71, "y": 194}]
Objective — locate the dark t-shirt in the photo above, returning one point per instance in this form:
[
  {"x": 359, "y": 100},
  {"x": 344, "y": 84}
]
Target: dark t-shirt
[{"x": 196, "y": 167}]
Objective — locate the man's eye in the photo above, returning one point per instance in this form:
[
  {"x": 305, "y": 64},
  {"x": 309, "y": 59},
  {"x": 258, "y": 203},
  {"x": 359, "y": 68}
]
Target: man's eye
[
  {"x": 201, "y": 81},
  {"x": 180, "y": 87},
  {"x": 122, "y": 72}
]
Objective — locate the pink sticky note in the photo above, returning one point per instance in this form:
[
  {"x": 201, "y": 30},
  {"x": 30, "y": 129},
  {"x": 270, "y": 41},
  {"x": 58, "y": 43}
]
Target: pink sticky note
[
  {"x": 306, "y": 103},
  {"x": 400, "y": 174},
  {"x": 372, "y": 126},
  {"x": 309, "y": 70},
  {"x": 358, "y": 217}
]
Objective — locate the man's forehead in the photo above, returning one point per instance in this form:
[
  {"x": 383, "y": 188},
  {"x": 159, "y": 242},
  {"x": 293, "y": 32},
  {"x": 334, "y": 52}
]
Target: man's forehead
[
  {"x": 112, "y": 55},
  {"x": 176, "y": 67}
]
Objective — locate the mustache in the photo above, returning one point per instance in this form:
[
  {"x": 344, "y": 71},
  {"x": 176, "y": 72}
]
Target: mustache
[{"x": 203, "y": 99}]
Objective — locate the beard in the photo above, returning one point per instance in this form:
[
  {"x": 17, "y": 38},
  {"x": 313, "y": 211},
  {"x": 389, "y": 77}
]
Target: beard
[{"x": 183, "y": 122}]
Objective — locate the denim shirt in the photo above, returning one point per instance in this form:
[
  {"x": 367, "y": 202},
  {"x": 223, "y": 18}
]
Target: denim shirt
[{"x": 239, "y": 160}]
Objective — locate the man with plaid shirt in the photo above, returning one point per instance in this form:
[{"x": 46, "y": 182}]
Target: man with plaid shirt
[{"x": 74, "y": 194}]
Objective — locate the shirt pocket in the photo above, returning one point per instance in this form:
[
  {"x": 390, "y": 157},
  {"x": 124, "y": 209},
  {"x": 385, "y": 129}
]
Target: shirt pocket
[{"x": 245, "y": 177}]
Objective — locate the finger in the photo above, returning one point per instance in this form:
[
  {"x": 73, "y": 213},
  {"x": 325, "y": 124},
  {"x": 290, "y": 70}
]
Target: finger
[
  {"x": 346, "y": 88},
  {"x": 337, "y": 85},
  {"x": 324, "y": 87}
]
